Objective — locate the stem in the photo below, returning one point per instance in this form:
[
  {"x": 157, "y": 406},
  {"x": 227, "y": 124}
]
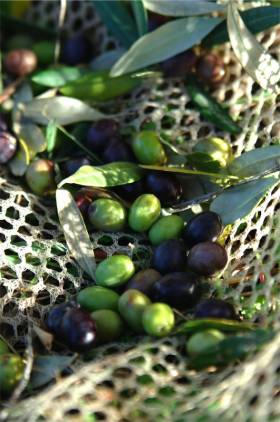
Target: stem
[{"x": 10, "y": 89}]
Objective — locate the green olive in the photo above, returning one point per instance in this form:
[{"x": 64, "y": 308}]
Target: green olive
[
  {"x": 44, "y": 51},
  {"x": 158, "y": 319},
  {"x": 165, "y": 228},
  {"x": 132, "y": 304},
  {"x": 107, "y": 214},
  {"x": 109, "y": 325},
  {"x": 200, "y": 342},
  {"x": 218, "y": 149},
  {"x": 144, "y": 212},
  {"x": 114, "y": 271},
  {"x": 94, "y": 298},
  {"x": 3, "y": 348},
  {"x": 148, "y": 148},
  {"x": 11, "y": 372},
  {"x": 40, "y": 176}
]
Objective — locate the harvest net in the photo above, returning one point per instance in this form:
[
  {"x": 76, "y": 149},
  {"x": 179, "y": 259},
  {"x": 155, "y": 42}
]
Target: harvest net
[{"x": 149, "y": 379}]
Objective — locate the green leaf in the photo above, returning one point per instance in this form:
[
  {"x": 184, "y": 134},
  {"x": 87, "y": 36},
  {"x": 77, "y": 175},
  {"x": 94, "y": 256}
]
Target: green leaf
[
  {"x": 256, "y": 19},
  {"x": 182, "y": 7},
  {"x": 57, "y": 77},
  {"x": 47, "y": 368},
  {"x": 239, "y": 201},
  {"x": 163, "y": 43},
  {"x": 113, "y": 174},
  {"x": 256, "y": 161},
  {"x": 106, "y": 60},
  {"x": 140, "y": 15},
  {"x": 226, "y": 325},
  {"x": 64, "y": 110},
  {"x": 75, "y": 232},
  {"x": 260, "y": 65},
  {"x": 51, "y": 133},
  {"x": 117, "y": 19},
  {"x": 181, "y": 170},
  {"x": 204, "y": 162}
]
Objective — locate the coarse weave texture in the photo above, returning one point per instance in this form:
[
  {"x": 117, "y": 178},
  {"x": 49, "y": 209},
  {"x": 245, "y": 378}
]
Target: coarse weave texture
[{"x": 150, "y": 379}]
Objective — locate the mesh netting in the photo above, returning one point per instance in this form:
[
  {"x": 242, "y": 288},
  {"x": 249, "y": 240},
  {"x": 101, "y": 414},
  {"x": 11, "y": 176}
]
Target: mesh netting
[{"x": 149, "y": 379}]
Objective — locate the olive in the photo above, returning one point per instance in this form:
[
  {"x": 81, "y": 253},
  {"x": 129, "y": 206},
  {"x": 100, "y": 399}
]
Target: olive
[
  {"x": 199, "y": 343},
  {"x": 76, "y": 50},
  {"x": 179, "y": 65},
  {"x": 180, "y": 290},
  {"x": 100, "y": 133},
  {"x": 77, "y": 330},
  {"x": 210, "y": 69},
  {"x": 55, "y": 315},
  {"x": 40, "y": 176},
  {"x": 205, "y": 226},
  {"x": 20, "y": 62},
  {"x": 83, "y": 202},
  {"x": 144, "y": 212},
  {"x": 215, "y": 308},
  {"x": 130, "y": 191},
  {"x": 107, "y": 214},
  {"x": 117, "y": 151},
  {"x": 148, "y": 148},
  {"x": 109, "y": 325},
  {"x": 114, "y": 271},
  {"x": 169, "y": 257},
  {"x": 218, "y": 149},
  {"x": 3, "y": 347},
  {"x": 169, "y": 227},
  {"x": 44, "y": 51},
  {"x": 70, "y": 167},
  {"x": 8, "y": 146},
  {"x": 11, "y": 372},
  {"x": 207, "y": 258},
  {"x": 94, "y": 298},
  {"x": 144, "y": 281},
  {"x": 158, "y": 319},
  {"x": 166, "y": 187},
  {"x": 132, "y": 304}
]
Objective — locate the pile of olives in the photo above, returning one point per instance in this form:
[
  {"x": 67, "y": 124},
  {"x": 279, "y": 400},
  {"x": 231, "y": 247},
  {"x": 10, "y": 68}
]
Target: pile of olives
[{"x": 11, "y": 369}]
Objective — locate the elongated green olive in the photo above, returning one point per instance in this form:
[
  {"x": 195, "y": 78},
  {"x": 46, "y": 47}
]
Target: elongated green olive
[
  {"x": 158, "y": 319},
  {"x": 217, "y": 148},
  {"x": 107, "y": 214},
  {"x": 144, "y": 212},
  {"x": 148, "y": 148},
  {"x": 3, "y": 347},
  {"x": 94, "y": 298},
  {"x": 169, "y": 227},
  {"x": 109, "y": 325},
  {"x": 114, "y": 271},
  {"x": 11, "y": 372},
  {"x": 132, "y": 304},
  {"x": 200, "y": 342}
]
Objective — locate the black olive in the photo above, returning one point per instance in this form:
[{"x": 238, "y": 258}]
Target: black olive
[
  {"x": 179, "y": 65},
  {"x": 204, "y": 227},
  {"x": 8, "y": 146},
  {"x": 117, "y": 151},
  {"x": 166, "y": 187},
  {"x": 100, "y": 134},
  {"x": 169, "y": 256},
  {"x": 78, "y": 330},
  {"x": 210, "y": 69},
  {"x": 130, "y": 191},
  {"x": 76, "y": 50},
  {"x": 215, "y": 308},
  {"x": 207, "y": 258},
  {"x": 54, "y": 317},
  {"x": 144, "y": 281},
  {"x": 83, "y": 202},
  {"x": 70, "y": 167}
]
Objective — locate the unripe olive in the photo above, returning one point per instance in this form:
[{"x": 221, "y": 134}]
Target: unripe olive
[
  {"x": 132, "y": 304},
  {"x": 109, "y": 325},
  {"x": 114, "y": 271},
  {"x": 158, "y": 319},
  {"x": 3, "y": 347},
  {"x": 148, "y": 148},
  {"x": 107, "y": 214},
  {"x": 207, "y": 258},
  {"x": 144, "y": 281},
  {"x": 199, "y": 343},
  {"x": 44, "y": 51},
  {"x": 40, "y": 176},
  {"x": 218, "y": 149},
  {"x": 144, "y": 212},
  {"x": 94, "y": 298},
  {"x": 11, "y": 372},
  {"x": 20, "y": 62},
  {"x": 169, "y": 227},
  {"x": 203, "y": 227}
]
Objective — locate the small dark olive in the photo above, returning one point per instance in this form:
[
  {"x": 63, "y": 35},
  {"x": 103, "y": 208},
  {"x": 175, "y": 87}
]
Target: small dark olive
[
  {"x": 166, "y": 187},
  {"x": 54, "y": 317},
  {"x": 204, "y": 227},
  {"x": 100, "y": 134},
  {"x": 78, "y": 330},
  {"x": 210, "y": 68},
  {"x": 169, "y": 257},
  {"x": 20, "y": 62},
  {"x": 71, "y": 166},
  {"x": 207, "y": 258},
  {"x": 179, "y": 65},
  {"x": 76, "y": 50},
  {"x": 144, "y": 281},
  {"x": 117, "y": 151},
  {"x": 130, "y": 191},
  {"x": 83, "y": 202},
  {"x": 8, "y": 146},
  {"x": 215, "y": 308},
  {"x": 180, "y": 290}
]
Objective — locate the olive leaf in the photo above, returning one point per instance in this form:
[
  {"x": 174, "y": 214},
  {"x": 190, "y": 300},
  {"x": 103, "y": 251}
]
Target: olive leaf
[
  {"x": 226, "y": 325},
  {"x": 112, "y": 174},
  {"x": 51, "y": 133},
  {"x": 238, "y": 201},
  {"x": 182, "y": 170},
  {"x": 163, "y": 43},
  {"x": 256, "y": 61},
  {"x": 75, "y": 232},
  {"x": 182, "y": 7},
  {"x": 47, "y": 368},
  {"x": 140, "y": 15},
  {"x": 107, "y": 59},
  {"x": 57, "y": 77},
  {"x": 256, "y": 161},
  {"x": 19, "y": 163}
]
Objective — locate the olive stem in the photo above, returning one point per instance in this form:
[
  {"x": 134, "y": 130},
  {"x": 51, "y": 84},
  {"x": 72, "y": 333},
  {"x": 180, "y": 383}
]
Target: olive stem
[
  {"x": 10, "y": 89},
  {"x": 179, "y": 314}
]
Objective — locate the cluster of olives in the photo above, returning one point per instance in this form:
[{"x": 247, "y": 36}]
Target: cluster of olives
[{"x": 11, "y": 369}]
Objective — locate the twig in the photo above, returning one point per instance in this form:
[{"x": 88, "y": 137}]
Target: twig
[{"x": 10, "y": 89}]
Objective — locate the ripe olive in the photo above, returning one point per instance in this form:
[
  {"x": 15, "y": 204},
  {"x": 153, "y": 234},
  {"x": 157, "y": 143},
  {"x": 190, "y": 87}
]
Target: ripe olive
[
  {"x": 132, "y": 304},
  {"x": 107, "y": 214},
  {"x": 169, "y": 256},
  {"x": 114, "y": 271},
  {"x": 54, "y": 317},
  {"x": 130, "y": 191},
  {"x": 109, "y": 325},
  {"x": 169, "y": 227},
  {"x": 44, "y": 51},
  {"x": 199, "y": 343},
  {"x": 11, "y": 372},
  {"x": 207, "y": 258},
  {"x": 144, "y": 281},
  {"x": 148, "y": 148},
  {"x": 40, "y": 176},
  {"x": 180, "y": 290},
  {"x": 144, "y": 212},
  {"x": 70, "y": 167},
  {"x": 77, "y": 330},
  {"x": 94, "y": 298},
  {"x": 76, "y": 50},
  {"x": 218, "y": 149},
  {"x": 20, "y": 62},
  {"x": 210, "y": 69},
  {"x": 117, "y": 150},
  {"x": 100, "y": 134},
  {"x": 205, "y": 226},
  {"x": 215, "y": 308},
  {"x": 83, "y": 202},
  {"x": 158, "y": 319},
  {"x": 3, "y": 347},
  {"x": 8, "y": 146},
  {"x": 165, "y": 186},
  {"x": 179, "y": 65}
]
